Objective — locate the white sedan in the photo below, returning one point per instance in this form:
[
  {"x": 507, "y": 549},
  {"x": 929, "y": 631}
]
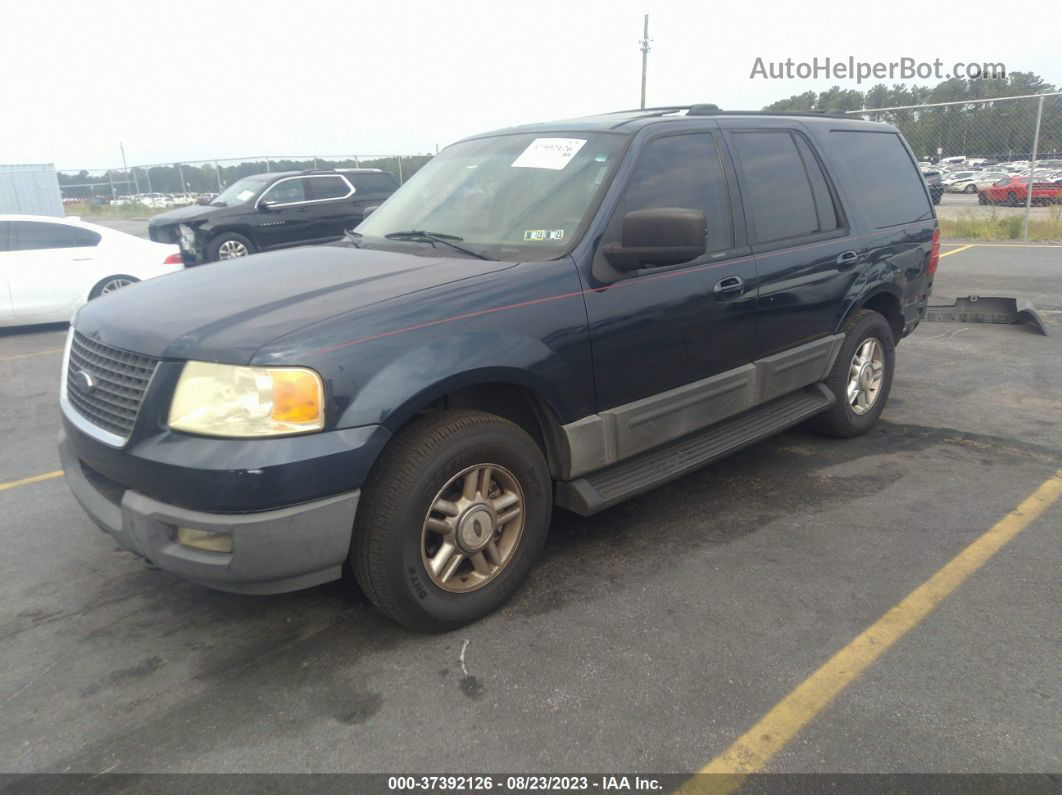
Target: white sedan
[{"x": 49, "y": 267}]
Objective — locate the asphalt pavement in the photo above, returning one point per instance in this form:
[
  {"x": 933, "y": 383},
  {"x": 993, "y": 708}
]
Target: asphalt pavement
[{"x": 648, "y": 638}]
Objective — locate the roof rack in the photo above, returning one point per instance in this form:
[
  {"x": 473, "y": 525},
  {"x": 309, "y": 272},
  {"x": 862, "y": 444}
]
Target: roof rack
[{"x": 708, "y": 109}]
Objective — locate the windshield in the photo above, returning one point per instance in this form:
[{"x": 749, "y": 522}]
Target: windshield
[
  {"x": 241, "y": 191},
  {"x": 512, "y": 196}
]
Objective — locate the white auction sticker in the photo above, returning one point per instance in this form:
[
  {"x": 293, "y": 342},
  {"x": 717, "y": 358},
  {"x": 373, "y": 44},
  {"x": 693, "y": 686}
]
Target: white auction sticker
[{"x": 552, "y": 153}]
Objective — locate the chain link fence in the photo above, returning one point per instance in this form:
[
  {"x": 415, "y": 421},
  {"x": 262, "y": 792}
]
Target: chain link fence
[
  {"x": 987, "y": 154},
  {"x": 141, "y": 190}
]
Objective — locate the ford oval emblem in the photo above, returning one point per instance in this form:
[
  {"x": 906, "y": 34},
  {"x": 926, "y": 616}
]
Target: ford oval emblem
[{"x": 84, "y": 382}]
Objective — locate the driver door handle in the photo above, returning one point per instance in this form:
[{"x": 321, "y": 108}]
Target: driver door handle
[
  {"x": 847, "y": 258},
  {"x": 730, "y": 287}
]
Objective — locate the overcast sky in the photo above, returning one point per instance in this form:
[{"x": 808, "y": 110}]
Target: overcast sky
[{"x": 186, "y": 79}]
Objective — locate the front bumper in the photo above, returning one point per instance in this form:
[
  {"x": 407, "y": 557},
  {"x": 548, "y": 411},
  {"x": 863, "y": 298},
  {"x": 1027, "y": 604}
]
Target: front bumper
[{"x": 273, "y": 551}]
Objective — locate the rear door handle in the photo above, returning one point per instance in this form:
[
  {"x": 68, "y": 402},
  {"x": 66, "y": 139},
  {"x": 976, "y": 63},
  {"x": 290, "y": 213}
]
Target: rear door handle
[
  {"x": 729, "y": 287},
  {"x": 847, "y": 258}
]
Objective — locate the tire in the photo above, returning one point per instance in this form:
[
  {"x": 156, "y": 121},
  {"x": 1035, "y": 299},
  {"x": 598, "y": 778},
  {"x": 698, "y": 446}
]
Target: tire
[
  {"x": 842, "y": 420},
  {"x": 981, "y": 199},
  {"x": 229, "y": 245},
  {"x": 112, "y": 283},
  {"x": 971, "y": 188},
  {"x": 1012, "y": 199},
  {"x": 394, "y": 543}
]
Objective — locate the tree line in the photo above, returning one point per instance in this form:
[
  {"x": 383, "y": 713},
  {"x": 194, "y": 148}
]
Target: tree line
[
  {"x": 998, "y": 130},
  {"x": 210, "y": 178}
]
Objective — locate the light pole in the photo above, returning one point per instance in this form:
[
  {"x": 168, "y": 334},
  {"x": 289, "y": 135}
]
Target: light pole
[{"x": 645, "y": 55}]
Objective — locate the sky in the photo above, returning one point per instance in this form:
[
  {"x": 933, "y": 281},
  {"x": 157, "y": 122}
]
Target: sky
[{"x": 187, "y": 79}]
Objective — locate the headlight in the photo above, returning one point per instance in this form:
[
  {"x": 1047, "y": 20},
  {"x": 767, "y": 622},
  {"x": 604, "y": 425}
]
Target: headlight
[{"x": 226, "y": 400}]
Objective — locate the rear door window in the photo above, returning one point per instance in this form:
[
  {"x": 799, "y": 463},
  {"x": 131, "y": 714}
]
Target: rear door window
[
  {"x": 886, "y": 175},
  {"x": 786, "y": 187},
  {"x": 36, "y": 235},
  {"x": 322, "y": 188},
  {"x": 375, "y": 183}
]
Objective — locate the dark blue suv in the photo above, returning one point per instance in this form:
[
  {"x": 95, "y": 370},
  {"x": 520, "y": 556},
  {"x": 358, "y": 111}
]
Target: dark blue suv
[{"x": 559, "y": 314}]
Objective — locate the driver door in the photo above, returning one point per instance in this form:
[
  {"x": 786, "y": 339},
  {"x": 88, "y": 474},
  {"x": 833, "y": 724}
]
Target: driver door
[
  {"x": 658, "y": 329},
  {"x": 288, "y": 220}
]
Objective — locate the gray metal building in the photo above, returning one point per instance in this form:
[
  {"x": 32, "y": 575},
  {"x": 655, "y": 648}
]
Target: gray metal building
[{"x": 31, "y": 189}]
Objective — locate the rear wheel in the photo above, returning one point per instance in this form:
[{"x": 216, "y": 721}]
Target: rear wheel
[
  {"x": 861, "y": 377},
  {"x": 230, "y": 245},
  {"x": 1012, "y": 199},
  {"x": 112, "y": 283},
  {"x": 981, "y": 199},
  {"x": 451, "y": 520},
  {"x": 971, "y": 188}
]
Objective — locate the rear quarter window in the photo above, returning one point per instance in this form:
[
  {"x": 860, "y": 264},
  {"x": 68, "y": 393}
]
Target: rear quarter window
[{"x": 887, "y": 177}]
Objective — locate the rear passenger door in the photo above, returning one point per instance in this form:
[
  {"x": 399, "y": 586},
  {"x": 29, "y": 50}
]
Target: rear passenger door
[
  {"x": 806, "y": 256},
  {"x": 50, "y": 268}
]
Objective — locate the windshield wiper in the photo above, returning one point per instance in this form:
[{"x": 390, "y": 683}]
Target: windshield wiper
[{"x": 436, "y": 237}]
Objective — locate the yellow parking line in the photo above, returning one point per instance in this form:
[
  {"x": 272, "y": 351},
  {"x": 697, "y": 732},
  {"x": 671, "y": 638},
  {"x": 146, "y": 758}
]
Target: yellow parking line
[
  {"x": 752, "y": 751},
  {"x": 957, "y": 250},
  {"x": 14, "y": 484},
  {"x": 27, "y": 355}
]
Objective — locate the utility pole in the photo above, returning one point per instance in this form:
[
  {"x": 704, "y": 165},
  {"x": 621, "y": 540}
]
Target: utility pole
[
  {"x": 645, "y": 56},
  {"x": 125, "y": 168}
]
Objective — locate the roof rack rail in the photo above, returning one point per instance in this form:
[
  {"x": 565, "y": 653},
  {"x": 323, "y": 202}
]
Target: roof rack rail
[{"x": 708, "y": 109}]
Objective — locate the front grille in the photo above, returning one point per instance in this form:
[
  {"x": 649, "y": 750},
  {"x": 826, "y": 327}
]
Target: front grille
[{"x": 118, "y": 382}]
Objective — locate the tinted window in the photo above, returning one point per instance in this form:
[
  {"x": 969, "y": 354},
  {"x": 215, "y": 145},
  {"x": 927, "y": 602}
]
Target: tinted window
[
  {"x": 683, "y": 171},
  {"x": 327, "y": 188},
  {"x": 33, "y": 235},
  {"x": 374, "y": 183},
  {"x": 286, "y": 191},
  {"x": 786, "y": 187},
  {"x": 886, "y": 175},
  {"x": 4, "y": 230}
]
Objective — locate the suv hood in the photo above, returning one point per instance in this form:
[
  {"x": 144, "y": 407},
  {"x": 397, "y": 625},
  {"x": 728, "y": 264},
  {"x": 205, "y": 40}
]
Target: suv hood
[
  {"x": 182, "y": 215},
  {"x": 226, "y": 311}
]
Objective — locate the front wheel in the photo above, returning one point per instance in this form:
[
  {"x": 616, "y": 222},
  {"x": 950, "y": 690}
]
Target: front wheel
[
  {"x": 971, "y": 188},
  {"x": 452, "y": 519},
  {"x": 861, "y": 377},
  {"x": 230, "y": 245}
]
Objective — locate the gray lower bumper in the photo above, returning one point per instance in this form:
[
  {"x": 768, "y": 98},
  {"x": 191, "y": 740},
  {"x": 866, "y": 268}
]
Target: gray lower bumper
[{"x": 273, "y": 551}]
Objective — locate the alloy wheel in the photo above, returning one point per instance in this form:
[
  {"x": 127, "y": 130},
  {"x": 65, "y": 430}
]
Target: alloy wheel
[
  {"x": 865, "y": 375},
  {"x": 231, "y": 249},
  {"x": 473, "y": 528}
]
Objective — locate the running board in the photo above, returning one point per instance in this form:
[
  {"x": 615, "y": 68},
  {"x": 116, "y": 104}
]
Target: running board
[{"x": 606, "y": 487}]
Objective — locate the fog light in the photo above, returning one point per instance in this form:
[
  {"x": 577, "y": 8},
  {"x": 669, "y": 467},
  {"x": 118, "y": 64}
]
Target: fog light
[{"x": 204, "y": 539}]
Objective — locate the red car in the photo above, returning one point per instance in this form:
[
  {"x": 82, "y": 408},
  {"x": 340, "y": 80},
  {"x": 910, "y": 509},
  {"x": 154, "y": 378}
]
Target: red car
[{"x": 1012, "y": 191}]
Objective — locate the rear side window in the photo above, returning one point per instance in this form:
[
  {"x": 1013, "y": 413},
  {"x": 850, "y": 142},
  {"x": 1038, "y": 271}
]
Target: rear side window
[
  {"x": 374, "y": 183},
  {"x": 327, "y": 188},
  {"x": 683, "y": 171},
  {"x": 36, "y": 235},
  {"x": 786, "y": 186},
  {"x": 887, "y": 177}
]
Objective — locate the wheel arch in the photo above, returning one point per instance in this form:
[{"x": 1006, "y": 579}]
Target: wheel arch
[{"x": 884, "y": 301}]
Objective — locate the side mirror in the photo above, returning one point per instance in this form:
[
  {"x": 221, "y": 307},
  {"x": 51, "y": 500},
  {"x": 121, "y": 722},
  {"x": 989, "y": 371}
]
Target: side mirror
[
  {"x": 658, "y": 236},
  {"x": 266, "y": 205},
  {"x": 369, "y": 210}
]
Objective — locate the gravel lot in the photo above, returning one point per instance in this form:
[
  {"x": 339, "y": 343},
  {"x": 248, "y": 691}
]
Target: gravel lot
[{"x": 648, "y": 638}]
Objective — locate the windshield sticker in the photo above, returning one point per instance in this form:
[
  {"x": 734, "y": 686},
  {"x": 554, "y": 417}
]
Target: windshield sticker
[
  {"x": 244, "y": 195},
  {"x": 551, "y": 153},
  {"x": 531, "y": 235}
]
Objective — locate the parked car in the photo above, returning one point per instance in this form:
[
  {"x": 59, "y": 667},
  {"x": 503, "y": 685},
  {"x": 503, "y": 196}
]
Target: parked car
[
  {"x": 974, "y": 182},
  {"x": 269, "y": 211},
  {"x": 568, "y": 313},
  {"x": 1013, "y": 191},
  {"x": 935, "y": 185},
  {"x": 51, "y": 266}
]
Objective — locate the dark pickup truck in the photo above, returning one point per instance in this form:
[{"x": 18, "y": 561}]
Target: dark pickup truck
[{"x": 559, "y": 314}]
